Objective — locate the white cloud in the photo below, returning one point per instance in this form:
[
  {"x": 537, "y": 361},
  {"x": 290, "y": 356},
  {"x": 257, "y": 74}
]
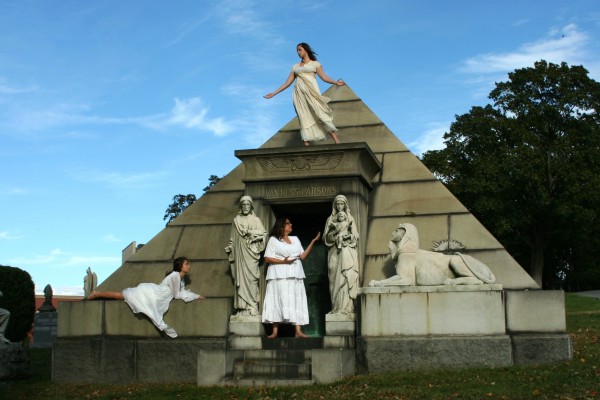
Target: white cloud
[
  {"x": 15, "y": 191},
  {"x": 119, "y": 180},
  {"x": 187, "y": 113},
  {"x": 58, "y": 258},
  {"x": 192, "y": 114},
  {"x": 567, "y": 44},
  {"x": 110, "y": 238},
  {"x": 431, "y": 139},
  {"x": 5, "y": 235}
]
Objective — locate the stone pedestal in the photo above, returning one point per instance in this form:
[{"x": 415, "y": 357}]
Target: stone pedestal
[
  {"x": 340, "y": 331},
  {"x": 432, "y": 310},
  {"x": 245, "y": 332}
]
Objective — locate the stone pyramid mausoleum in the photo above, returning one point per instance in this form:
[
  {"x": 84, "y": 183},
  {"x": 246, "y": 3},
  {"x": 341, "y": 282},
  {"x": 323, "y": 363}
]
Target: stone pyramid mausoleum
[{"x": 508, "y": 322}]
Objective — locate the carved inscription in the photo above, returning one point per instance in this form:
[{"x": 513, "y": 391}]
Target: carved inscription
[
  {"x": 299, "y": 162},
  {"x": 301, "y": 191}
]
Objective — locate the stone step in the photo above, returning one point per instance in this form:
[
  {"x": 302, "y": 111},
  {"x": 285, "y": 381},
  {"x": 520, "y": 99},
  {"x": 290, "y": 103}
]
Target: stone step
[
  {"x": 268, "y": 369},
  {"x": 289, "y": 356},
  {"x": 291, "y": 343},
  {"x": 267, "y": 382}
]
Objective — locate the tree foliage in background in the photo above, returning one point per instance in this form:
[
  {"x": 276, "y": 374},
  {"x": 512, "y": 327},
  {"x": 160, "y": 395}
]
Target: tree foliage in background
[
  {"x": 19, "y": 298},
  {"x": 528, "y": 168},
  {"x": 183, "y": 201}
]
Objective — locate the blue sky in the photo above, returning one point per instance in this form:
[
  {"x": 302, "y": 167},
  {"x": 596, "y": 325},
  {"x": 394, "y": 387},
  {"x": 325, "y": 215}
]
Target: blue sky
[{"x": 109, "y": 108}]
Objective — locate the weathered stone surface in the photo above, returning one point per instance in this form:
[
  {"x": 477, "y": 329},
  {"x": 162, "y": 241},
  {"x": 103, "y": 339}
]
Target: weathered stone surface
[
  {"x": 201, "y": 318},
  {"x": 14, "y": 361},
  {"x": 45, "y": 325},
  {"x": 382, "y": 354},
  {"x": 331, "y": 365},
  {"x": 541, "y": 311},
  {"x": 125, "y": 360},
  {"x": 541, "y": 348},
  {"x": 418, "y": 310}
]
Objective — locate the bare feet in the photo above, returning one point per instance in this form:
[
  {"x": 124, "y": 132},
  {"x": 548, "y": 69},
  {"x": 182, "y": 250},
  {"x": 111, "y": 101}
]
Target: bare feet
[
  {"x": 301, "y": 335},
  {"x": 306, "y": 143},
  {"x": 92, "y": 295},
  {"x": 272, "y": 336}
]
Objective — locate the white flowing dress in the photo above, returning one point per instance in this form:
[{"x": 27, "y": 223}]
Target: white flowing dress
[
  {"x": 285, "y": 296},
  {"x": 153, "y": 300},
  {"x": 314, "y": 115}
]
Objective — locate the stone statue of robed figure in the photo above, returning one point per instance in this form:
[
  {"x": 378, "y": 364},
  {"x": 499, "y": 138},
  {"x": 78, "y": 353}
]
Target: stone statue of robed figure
[
  {"x": 341, "y": 237},
  {"x": 248, "y": 239}
]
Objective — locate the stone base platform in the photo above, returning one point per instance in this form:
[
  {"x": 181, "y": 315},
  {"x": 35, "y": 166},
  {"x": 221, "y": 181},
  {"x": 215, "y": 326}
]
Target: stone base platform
[{"x": 129, "y": 360}]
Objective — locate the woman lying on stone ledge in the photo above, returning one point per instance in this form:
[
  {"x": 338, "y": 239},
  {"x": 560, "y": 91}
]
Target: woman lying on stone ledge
[{"x": 153, "y": 300}]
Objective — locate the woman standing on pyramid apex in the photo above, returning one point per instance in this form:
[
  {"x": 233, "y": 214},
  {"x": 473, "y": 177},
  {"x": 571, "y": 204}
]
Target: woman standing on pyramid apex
[{"x": 315, "y": 116}]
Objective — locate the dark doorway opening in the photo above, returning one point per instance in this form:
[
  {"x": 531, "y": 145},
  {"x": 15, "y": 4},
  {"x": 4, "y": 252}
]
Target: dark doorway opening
[{"x": 307, "y": 220}]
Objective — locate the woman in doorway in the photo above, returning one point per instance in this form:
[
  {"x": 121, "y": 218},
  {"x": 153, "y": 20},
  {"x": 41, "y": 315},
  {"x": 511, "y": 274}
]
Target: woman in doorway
[
  {"x": 285, "y": 296},
  {"x": 153, "y": 300},
  {"x": 315, "y": 116}
]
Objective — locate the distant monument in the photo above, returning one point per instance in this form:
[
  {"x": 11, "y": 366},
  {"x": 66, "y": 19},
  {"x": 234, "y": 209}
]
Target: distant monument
[
  {"x": 90, "y": 281},
  {"x": 45, "y": 321},
  {"x": 47, "y": 305}
]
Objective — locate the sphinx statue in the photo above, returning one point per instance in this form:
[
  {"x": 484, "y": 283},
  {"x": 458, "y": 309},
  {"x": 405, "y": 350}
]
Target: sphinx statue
[{"x": 415, "y": 266}]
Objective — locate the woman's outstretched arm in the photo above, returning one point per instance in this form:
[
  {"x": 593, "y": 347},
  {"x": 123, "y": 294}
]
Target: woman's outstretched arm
[
  {"x": 287, "y": 84},
  {"x": 327, "y": 79},
  {"x": 310, "y": 247}
]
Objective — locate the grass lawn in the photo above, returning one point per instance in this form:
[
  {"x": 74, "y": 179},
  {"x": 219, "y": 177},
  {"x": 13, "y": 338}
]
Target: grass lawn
[{"x": 575, "y": 379}]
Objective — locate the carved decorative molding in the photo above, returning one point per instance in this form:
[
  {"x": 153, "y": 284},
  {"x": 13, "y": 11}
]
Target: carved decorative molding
[{"x": 299, "y": 162}]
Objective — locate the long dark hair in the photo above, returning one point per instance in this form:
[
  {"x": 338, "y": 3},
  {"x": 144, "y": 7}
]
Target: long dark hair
[
  {"x": 311, "y": 54},
  {"x": 177, "y": 265},
  {"x": 278, "y": 227}
]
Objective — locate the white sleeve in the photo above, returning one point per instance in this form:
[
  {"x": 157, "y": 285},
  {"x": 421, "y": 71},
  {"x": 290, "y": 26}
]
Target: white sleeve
[
  {"x": 173, "y": 280},
  {"x": 179, "y": 292},
  {"x": 271, "y": 250}
]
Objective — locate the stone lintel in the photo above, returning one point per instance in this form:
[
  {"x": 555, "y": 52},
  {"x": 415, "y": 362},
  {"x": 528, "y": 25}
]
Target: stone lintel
[{"x": 310, "y": 162}]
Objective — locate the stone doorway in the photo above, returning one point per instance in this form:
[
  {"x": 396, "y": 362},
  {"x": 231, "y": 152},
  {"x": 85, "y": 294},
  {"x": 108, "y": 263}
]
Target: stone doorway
[{"x": 307, "y": 220}]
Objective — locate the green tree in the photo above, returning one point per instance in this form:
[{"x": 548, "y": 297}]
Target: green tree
[
  {"x": 18, "y": 298},
  {"x": 528, "y": 167},
  {"x": 183, "y": 201}
]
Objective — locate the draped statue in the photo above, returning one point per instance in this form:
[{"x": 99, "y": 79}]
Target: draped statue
[
  {"x": 341, "y": 237},
  {"x": 248, "y": 239}
]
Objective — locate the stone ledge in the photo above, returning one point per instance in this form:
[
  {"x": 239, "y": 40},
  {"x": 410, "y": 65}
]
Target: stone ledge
[{"x": 431, "y": 289}]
